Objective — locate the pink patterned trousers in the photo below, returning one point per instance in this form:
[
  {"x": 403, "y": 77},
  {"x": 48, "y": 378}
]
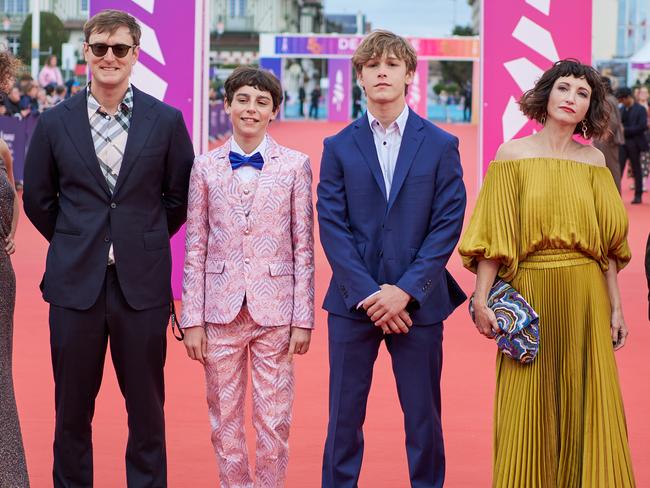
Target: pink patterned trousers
[{"x": 226, "y": 373}]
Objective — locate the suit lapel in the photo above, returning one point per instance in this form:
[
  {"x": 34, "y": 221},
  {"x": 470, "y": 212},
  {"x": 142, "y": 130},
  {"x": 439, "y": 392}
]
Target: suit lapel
[
  {"x": 364, "y": 139},
  {"x": 270, "y": 170},
  {"x": 77, "y": 126},
  {"x": 142, "y": 125},
  {"x": 411, "y": 141}
]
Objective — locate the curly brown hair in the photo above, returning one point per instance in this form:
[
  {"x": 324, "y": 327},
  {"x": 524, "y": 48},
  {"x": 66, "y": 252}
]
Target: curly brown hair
[
  {"x": 9, "y": 67},
  {"x": 534, "y": 102}
]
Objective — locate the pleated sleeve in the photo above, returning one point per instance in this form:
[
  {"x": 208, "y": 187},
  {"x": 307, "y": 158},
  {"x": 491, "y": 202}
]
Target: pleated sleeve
[
  {"x": 494, "y": 228},
  {"x": 612, "y": 220}
]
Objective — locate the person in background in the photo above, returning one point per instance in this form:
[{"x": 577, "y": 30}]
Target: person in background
[
  {"x": 315, "y": 99},
  {"x": 357, "y": 93},
  {"x": 302, "y": 95},
  {"x": 467, "y": 102},
  {"x": 50, "y": 74},
  {"x": 44, "y": 100},
  {"x": 612, "y": 139},
  {"x": 13, "y": 469},
  {"x": 29, "y": 104},
  {"x": 635, "y": 124},
  {"x": 75, "y": 87},
  {"x": 645, "y": 155},
  {"x": 59, "y": 94},
  {"x": 12, "y": 102}
]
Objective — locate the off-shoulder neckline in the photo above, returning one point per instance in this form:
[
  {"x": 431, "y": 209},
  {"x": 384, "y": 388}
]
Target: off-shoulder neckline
[{"x": 575, "y": 161}]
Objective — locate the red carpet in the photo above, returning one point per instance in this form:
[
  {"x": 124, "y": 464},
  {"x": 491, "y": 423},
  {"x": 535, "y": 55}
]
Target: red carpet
[{"x": 468, "y": 376}]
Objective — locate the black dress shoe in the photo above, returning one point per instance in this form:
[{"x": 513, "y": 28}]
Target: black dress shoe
[{"x": 636, "y": 200}]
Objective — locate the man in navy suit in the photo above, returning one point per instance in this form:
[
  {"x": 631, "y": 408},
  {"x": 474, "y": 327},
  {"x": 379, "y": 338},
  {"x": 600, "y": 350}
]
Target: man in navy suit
[
  {"x": 634, "y": 118},
  {"x": 106, "y": 181},
  {"x": 391, "y": 201}
]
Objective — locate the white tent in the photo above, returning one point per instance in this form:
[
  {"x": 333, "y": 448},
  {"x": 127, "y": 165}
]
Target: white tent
[{"x": 641, "y": 58}]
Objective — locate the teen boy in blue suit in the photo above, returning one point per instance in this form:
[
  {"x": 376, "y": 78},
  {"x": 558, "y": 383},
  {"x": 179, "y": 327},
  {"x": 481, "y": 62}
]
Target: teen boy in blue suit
[{"x": 391, "y": 201}]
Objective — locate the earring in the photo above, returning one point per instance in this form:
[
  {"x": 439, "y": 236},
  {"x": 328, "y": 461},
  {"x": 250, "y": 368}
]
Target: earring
[
  {"x": 543, "y": 121},
  {"x": 584, "y": 128}
]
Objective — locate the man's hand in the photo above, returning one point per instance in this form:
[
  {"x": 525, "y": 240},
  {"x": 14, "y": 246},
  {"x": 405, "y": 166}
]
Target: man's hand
[
  {"x": 387, "y": 309},
  {"x": 196, "y": 343},
  {"x": 299, "y": 342}
]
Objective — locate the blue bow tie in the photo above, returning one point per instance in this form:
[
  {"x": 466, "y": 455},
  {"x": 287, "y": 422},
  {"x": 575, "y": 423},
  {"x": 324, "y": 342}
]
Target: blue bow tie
[{"x": 237, "y": 160}]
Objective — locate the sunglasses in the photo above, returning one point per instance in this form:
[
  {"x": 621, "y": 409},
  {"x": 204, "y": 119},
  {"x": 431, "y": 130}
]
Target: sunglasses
[{"x": 119, "y": 50}]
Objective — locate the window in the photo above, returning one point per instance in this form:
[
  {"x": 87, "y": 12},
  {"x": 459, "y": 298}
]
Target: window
[
  {"x": 84, "y": 5},
  {"x": 237, "y": 8},
  {"x": 13, "y": 43},
  {"x": 13, "y": 7},
  {"x": 10, "y": 7}
]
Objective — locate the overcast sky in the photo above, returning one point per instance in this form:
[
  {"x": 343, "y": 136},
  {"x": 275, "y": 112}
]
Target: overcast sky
[{"x": 422, "y": 18}]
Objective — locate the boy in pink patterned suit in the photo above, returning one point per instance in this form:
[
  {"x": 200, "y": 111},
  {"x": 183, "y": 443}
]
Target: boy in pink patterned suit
[{"x": 249, "y": 279}]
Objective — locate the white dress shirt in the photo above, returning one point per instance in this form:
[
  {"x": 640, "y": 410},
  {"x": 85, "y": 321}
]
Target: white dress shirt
[
  {"x": 387, "y": 143},
  {"x": 247, "y": 173}
]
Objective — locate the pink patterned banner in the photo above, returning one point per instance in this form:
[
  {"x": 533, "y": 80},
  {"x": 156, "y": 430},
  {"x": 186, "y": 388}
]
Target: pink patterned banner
[
  {"x": 340, "y": 84},
  {"x": 345, "y": 45},
  {"x": 416, "y": 97},
  {"x": 521, "y": 39}
]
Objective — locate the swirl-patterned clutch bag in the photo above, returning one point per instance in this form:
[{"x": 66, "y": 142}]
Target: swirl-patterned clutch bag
[{"x": 517, "y": 321}]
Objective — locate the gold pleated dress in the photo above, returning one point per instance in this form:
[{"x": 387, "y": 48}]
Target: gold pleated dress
[{"x": 552, "y": 223}]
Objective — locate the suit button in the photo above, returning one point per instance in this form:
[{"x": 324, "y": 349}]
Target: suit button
[
  {"x": 113, "y": 205},
  {"x": 246, "y": 231},
  {"x": 107, "y": 239},
  {"x": 381, "y": 253},
  {"x": 247, "y": 261},
  {"x": 246, "y": 191},
  {"x": 246, "y": 213}
]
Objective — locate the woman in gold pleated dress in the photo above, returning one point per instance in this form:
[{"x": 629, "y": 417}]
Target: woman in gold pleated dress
[{"x": 550, "y": 221}]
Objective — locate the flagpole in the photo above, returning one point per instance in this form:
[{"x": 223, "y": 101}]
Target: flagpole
[{"x": 36, "y": 37}]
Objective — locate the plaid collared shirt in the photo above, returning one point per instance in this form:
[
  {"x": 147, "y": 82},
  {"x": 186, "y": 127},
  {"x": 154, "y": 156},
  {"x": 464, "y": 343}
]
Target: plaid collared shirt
[{"x": 110, "y": 133}]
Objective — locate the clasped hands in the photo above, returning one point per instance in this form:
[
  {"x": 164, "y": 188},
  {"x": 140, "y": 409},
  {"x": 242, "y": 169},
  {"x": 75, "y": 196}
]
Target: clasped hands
[{"x": 387, "y": 309}]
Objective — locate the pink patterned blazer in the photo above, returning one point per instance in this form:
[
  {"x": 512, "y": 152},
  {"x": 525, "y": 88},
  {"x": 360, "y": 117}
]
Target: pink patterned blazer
[{"x": 269, "y": 257}]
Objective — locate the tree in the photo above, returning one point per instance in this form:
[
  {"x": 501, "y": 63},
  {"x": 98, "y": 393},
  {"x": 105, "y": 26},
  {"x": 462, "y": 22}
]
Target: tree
[
  {"x": 458, "y": 72},
  {"x": 53, "y": 34}
]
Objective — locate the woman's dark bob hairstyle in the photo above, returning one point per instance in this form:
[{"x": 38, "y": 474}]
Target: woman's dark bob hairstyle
[{"x": 534, "y": 102}]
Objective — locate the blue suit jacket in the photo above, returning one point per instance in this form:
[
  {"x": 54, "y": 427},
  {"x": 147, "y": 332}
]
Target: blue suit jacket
[
  {"x": 404, "y": 238},
  {"x": 68, "y": 200}
]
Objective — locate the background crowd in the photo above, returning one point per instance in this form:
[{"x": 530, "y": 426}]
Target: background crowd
[{"x": 29, "y": 97}]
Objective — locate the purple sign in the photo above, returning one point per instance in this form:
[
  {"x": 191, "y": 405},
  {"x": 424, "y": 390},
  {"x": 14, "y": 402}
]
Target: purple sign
[
  {"x": 171, "y": 68},
  {"x": 12, "y": 131},
  {"x": 220, "y": 126},
  {"x": 340, "y": 85},
  {"x": 274, "y": 65},
  {"x": 317, "y": 45}
]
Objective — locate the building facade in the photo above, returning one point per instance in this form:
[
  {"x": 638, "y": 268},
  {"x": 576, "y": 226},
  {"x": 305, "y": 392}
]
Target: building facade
[
  {"x": 633, "y": 30},
  {"x": 235, "y": 25},
  {"x": 73, "y": 14}
]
